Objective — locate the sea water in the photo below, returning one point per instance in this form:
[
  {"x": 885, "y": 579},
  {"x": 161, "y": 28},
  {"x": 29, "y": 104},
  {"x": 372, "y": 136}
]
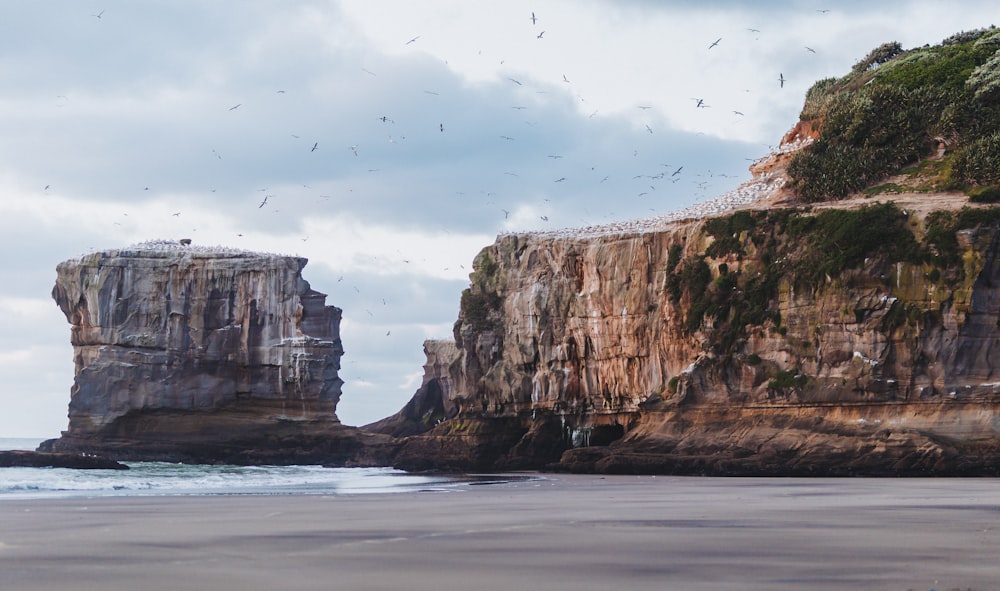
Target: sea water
[{"x": 164, "y": 478}]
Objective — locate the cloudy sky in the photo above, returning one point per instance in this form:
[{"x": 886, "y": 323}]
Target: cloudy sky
[{"x": 391, "y": 139}]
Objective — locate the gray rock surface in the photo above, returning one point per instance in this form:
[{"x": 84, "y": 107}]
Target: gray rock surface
[{"x": 200, "y": 354}]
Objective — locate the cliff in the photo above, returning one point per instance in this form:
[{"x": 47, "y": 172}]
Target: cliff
[
  {"x": 768, "y": 341},
  {"x": 839, "y": 314},
  {"x": 202, "y": 354}
]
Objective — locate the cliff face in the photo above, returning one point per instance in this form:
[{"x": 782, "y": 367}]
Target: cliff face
[
  {"x": 861, "y": 340},
  {"x": 204, "y": 354}
]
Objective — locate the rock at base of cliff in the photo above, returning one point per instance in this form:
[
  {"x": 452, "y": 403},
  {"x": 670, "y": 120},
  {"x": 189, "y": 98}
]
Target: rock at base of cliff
[
  {"x": 41, "y": 459},
  {"x": 229, "y": 438}
]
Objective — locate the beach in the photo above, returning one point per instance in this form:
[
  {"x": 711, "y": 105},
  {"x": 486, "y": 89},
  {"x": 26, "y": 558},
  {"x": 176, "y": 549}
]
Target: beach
[{"x": 559, "y": 532}]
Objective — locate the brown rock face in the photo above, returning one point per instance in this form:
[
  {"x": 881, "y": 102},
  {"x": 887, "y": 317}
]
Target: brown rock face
[
  {"x": 201, "y": 354},
  {"x": 432, "y": 402},
  {"x": 740, "y": 344}
]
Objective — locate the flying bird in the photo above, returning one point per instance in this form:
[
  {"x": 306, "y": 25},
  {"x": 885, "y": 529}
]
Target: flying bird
[
  {"x": 533, "y": 19},
  {"x": 264, "y": 202},
  {"x": 781, "y": 80},
  {"x": 649, "y": 129},
  {"x": 441, "y": 126},
  {"x": 412, "y": 40},
  {"x": 810, "y": 49},
  {"x": 234, "y": 107},
  {"x": 539, "y": 36},
  {"x": 515, "y": 81},
  {"x": 714, "y": 43},
  {"x": 98, "y": 15},
  {"x": 565, "y": 79},
  {"x": 315, "y": 145},
  {"x": 678, "y": 171},
  {"x": 354, "y": 149}
]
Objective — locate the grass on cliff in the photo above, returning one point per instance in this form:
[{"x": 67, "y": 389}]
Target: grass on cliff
[
  {"x": 895, "y": 107},
  {"x": 809, "y": 251}
]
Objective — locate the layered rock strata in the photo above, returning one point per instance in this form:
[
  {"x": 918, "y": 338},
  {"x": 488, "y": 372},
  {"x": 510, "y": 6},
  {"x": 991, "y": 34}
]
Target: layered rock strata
[
  {"x": 752, "y": 342},
  {"x": 202, "y": 354}
]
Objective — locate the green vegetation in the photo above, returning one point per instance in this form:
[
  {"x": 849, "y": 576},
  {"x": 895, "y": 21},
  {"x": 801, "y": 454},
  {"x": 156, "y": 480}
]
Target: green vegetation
[
  {"x": 895, "y": 107},
  {"x": 808, "y": 250},
  {"x": 838, "y": 239},
  {"x": 480, "y": 303},
  {"x": 788, "y": 379}
]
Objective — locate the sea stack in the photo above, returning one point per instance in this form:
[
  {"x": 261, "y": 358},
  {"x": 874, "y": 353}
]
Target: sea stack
[{"x": 190, "y": 353}]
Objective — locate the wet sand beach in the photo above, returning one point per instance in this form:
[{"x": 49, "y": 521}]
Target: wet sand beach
[{"x": 562, "y": 532}]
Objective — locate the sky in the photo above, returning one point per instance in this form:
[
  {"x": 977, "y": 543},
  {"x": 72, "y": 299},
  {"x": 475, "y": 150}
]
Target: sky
[{"x": 388, "y": 141}]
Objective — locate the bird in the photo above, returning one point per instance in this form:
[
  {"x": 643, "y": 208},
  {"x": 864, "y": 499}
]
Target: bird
[
  {"x": 810, "y": 49},
  {"x": 315, "y": 145},
  {"x": 649, "y": 129},
  {"x": 823, "y": 10},
  {"x": 46, "y": 187},
  {"x": 539, "y": 36},
  {"x": 506, "y": 214},
  {"x": 98, "y": 15},
  {"x": 412, "y": 40},
  {"x": 737, "y": 113},
  {"x": 507, "y": 137},
  {"x": 714, "y": 43},
  {"x": 754, "y": 30},
  {"x": 565, "y": 79},
  {"x": 560, "y": 179},
  {"x": 554, "y": 156},
  {"x": 354, "y": 149},
  {"x": 698, "y": 102},
  {"x": 264, "y": 202},
  {"x": 781, "y": 80},
  {"x": 515, "y": 81},
  {"x": 544, "y": 218},
  {"x": 533, "y": 19},
  {"x": 441, "y": 127},
  {"x": 678, "y": 171}
]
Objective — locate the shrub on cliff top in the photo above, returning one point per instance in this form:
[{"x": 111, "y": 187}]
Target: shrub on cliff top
[{"x": 894, "y": 107}]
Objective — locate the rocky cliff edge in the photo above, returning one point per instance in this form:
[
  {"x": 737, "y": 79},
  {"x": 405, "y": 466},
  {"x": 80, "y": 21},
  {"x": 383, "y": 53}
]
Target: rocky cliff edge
[{"x": 208, "y": 354}]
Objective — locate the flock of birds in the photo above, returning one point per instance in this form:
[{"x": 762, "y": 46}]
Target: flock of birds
[
  {"x": 268, "y": 199},
  {"x": 358, "y": 154}
]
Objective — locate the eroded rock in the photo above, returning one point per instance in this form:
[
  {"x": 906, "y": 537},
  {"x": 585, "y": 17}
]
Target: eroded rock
[{"x": 202, "y": 354}]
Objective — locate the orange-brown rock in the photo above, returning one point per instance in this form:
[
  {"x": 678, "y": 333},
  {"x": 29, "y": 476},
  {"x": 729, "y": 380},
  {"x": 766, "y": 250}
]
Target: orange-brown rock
[{"x": 679, "y": 349}]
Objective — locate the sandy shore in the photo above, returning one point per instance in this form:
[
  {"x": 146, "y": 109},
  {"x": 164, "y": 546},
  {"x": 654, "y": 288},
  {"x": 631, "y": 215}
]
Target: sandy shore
[{"x": 568, "y": 532}]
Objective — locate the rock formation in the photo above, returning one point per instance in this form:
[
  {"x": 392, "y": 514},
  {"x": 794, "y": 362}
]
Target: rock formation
[
  {"x": 36, "y": 459},
  {"x": 432, "y": 402},
  {"x": 854, "y": 340},
  {"x": 202, "y": 354},
  {"x": 838, "y": 314}
]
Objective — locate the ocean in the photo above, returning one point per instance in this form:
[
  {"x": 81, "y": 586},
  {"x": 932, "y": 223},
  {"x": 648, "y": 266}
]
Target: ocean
[{"x": 168, "y": 479}]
